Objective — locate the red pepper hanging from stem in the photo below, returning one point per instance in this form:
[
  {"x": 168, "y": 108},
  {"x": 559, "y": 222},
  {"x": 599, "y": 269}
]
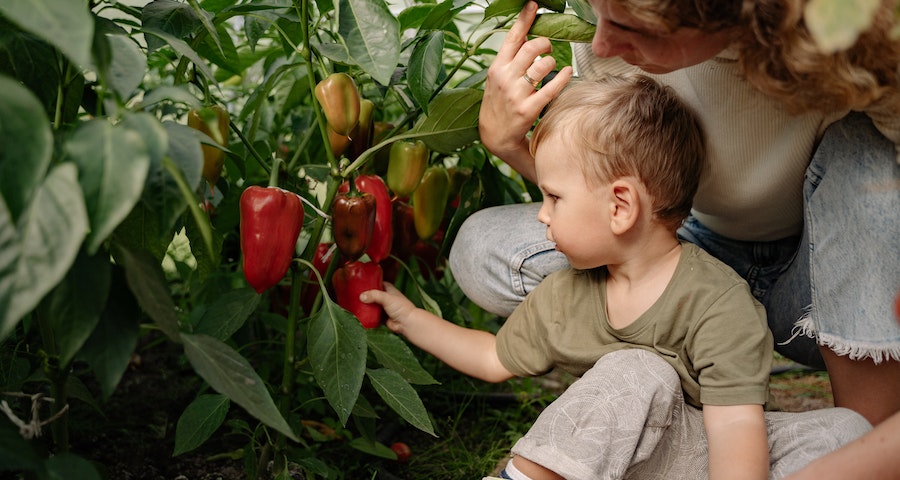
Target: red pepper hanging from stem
[
  {"x": 271, "y": 220},
  {"x": 383, "y": 232},
  {"x": 349, "y": 281},
  {"x": 353, "y": 221}
]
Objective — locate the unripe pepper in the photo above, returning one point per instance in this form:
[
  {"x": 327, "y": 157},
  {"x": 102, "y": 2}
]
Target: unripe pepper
[
  {"x": 212, "y": 121},
  {"x": 349, "y": 281},
  {"x": 408, "y": 161},
  {"x": 353, "y": 221},
  {"x": 430, "y": 200},
  {"x": 382, "y": 233},
  {"x": 339, "y": 98},
  {"x": 271, "y": 219},
  {"x": 338, "y": 142}
]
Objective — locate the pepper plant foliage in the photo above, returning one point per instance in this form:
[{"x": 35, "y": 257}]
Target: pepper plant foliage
[{"x": 110, "y": 234}]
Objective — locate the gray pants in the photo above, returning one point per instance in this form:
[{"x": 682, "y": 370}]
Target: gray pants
[{"x": 626, "y": 418}]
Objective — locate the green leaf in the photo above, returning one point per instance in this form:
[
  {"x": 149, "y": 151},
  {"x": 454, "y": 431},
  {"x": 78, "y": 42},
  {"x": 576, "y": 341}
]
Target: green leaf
[
  {"x": 50, "y": 232},
  {"x": 108, "y": 350},
  {"x": 377, "y": 449},
  {"x": 392, "y": 352},
  {"x": 372, "y": 36},
  {"x": 71, "y": 467},
  {"x": 230, "y": 374},
  {"x": 16, "y": 453},
  {"x": 228, "y": 312},
  {"x": 453, "y": 123},
  {"x": 183, "y": 49},
  {"x": 161, "y": 193},
  {"x": 201, "y": 220},
  {"x": 583, "y": 9},
  {"x": 563, "y": 27},
  {"x": 176, "y": 19},
  {"x": 199, "y": 421},
  {"x": 73, "y": 308},
  {"x": 126, "y": 72},
  {"x": 425, "y": 67},
  {"x": 113, "y": 161},
  {"x": 65, "y": 24},
  {"x": 147, "y": 281},
  {"x": 503, "y": 8},
  {"x": 337, "y": 353},
  {"x": 26, "y": 144},
  {"x": 398, "y": 394}
]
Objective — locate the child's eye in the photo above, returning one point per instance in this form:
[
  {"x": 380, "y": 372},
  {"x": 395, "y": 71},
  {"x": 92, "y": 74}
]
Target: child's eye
[{"x": 550, "y": 196}]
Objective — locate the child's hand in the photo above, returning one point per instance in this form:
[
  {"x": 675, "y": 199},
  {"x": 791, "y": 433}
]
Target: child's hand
[{"x": 397, "y": 307}]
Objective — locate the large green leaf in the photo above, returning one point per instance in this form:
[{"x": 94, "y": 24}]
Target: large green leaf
[
  {"x": 199, "y": 421},
  {"x": 128, "y": 65},
  {"x": 425, "y": 67},
  {"x": 392, "y": 352},
  {"x": 230, "y": 374},
  {"x": 26, "y": 143},
  {"x": 398, "y": 394},
  {"x": 161, "y": 193},
  {"x": 113, "y": 161},
  {"x": 563, "y": 27},
  {"x": 337, "y": 353},
  {"x": 73, "y": 308},
  {"x": 148, "y": 283},
  {"x": 227, "y": 313},
  {"x": 109, "y": 348},
  {"x": 182, "y": 48},
  {"x": 65, "y": 24},
  {"x": 177, "y": 19},
  {"x": 50, "y": 231},
  {"x": 372, "y": 35},
  {"x": 453, "y": 120}
]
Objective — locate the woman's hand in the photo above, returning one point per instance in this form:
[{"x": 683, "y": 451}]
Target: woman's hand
[{"x": 511, "y": 102}]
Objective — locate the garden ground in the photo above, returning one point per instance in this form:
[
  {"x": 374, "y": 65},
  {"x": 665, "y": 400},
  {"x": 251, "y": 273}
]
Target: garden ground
[{"x": 134, "y": 440}]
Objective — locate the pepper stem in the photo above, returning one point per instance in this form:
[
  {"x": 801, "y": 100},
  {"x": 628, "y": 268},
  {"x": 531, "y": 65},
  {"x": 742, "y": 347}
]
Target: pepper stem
[{"x": 273, "y": 175}]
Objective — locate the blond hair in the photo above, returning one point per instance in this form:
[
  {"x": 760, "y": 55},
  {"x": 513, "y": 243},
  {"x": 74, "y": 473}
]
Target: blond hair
[{"x": 631, "y": 127}]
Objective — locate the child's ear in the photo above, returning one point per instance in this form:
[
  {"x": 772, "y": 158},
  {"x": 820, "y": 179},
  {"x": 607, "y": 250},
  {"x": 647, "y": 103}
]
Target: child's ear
[{"x": 625, "y": 206}]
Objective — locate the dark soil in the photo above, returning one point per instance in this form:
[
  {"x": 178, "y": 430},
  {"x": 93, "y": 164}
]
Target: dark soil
[{"x": 133, "y": 438}]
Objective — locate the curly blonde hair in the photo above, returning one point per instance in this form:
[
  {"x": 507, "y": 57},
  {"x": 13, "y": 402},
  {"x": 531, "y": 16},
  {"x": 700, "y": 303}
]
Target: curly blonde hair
[{"x": 779, "y": 57}]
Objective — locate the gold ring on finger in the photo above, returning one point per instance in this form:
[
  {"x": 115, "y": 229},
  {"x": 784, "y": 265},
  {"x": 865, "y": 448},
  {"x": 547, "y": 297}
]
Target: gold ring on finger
[{"x": 534, "y": 83}]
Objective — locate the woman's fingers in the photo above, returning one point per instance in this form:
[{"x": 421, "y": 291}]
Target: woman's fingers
[{"x": 517, "y": 34}]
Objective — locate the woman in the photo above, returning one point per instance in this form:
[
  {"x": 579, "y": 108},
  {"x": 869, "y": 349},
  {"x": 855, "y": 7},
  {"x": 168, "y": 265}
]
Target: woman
[{"x": 800, "y": 197}]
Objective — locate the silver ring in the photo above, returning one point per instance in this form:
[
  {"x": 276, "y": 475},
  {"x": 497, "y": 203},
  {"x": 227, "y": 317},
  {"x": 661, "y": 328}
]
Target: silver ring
[{"x": 534, "y": 83}]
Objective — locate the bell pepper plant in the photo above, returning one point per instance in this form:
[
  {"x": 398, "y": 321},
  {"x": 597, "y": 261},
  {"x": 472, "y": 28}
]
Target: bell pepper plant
[{"x": 349, "y": 281}]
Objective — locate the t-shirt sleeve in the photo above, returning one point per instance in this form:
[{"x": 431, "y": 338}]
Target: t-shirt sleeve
[
  {"x": 522, "y": 341},
  {"x": 732, "y": 350}
]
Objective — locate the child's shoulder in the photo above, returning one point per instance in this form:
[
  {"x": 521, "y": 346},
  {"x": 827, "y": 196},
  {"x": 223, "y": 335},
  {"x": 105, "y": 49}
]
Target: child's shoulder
[{"x": 698, "y": 262}]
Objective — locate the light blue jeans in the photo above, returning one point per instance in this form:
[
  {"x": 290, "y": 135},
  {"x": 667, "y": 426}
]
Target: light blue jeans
[{"x": 833, "y": 286}]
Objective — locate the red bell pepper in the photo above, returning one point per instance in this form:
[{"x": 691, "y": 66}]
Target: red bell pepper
[
  {"x": 382, "y": 233},
  {"x": 349, "y": 281},
  {"x": 353, "y": 221},
  {"x": 271, "y": 219}
]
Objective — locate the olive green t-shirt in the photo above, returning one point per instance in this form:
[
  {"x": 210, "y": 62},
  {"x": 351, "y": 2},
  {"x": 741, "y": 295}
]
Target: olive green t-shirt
[{"x": 706, "y": 324}]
